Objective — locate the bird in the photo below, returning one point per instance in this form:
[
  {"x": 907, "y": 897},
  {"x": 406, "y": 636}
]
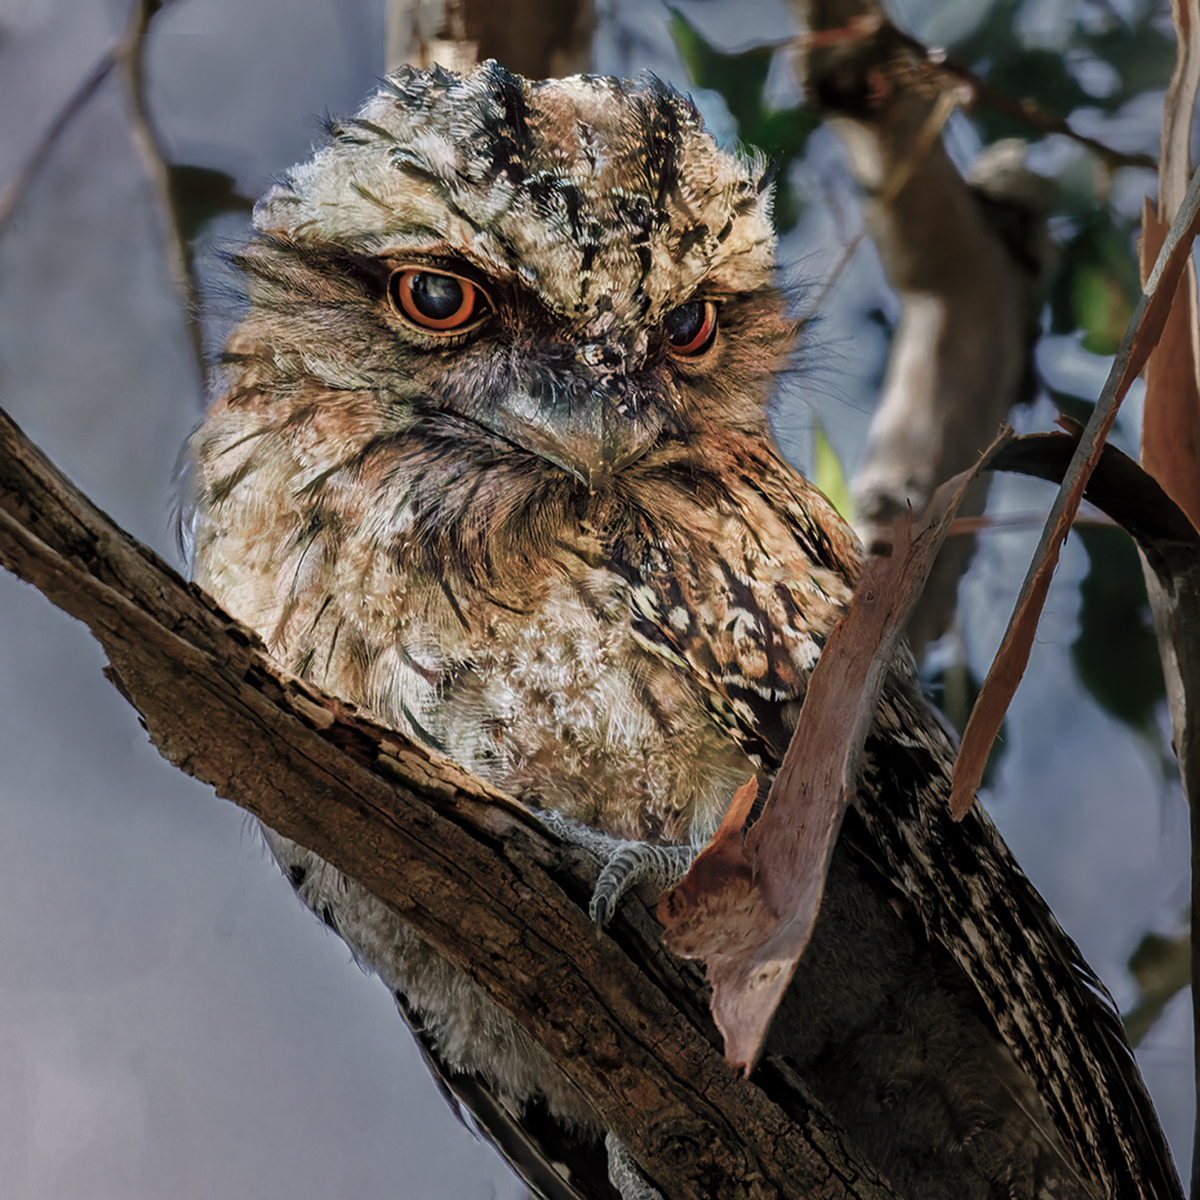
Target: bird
[{"x": 490, "y": 457}]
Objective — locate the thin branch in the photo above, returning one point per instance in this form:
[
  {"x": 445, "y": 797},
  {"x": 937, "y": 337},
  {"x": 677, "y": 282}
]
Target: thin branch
[
  {"x": 849, "y": 249},
  {"x": 1145, "y": 326},
  {"x": 943, "y": 74},
  {"x": 982, "y": 92},
  {"x": 16, "y": 187},
  {"x": 128, "y": 55},
  {"x": 154, "y": 161}
]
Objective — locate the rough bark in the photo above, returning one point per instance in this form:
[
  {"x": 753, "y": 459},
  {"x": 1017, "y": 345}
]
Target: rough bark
[
  {"x": 539, "y": 39},
  {"x": 470, "y": 868}
]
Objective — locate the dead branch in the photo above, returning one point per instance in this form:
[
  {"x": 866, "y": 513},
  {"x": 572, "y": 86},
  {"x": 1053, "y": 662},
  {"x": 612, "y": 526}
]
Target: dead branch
[{"x": 481, "y": 879}]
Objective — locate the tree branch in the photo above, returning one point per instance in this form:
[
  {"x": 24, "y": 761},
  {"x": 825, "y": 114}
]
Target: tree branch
[
  {"x": 964, "y": 261},
  {"x": 127, "y": 55},
  {"x": 472, "y": 870}
]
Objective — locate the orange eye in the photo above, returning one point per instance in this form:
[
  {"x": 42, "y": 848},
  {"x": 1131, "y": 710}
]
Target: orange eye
[
  {"x": 435, "y": 301},
  {"x": 691, "y": 328}
]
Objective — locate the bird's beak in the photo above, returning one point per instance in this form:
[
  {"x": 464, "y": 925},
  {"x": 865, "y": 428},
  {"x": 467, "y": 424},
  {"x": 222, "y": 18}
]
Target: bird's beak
[{"x": 589, "y": 431}]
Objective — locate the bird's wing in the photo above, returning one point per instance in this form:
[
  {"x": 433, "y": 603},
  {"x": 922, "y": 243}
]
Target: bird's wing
[
  {"x": 742, "y": 594},
  {"x": 555, "y": 1160}
]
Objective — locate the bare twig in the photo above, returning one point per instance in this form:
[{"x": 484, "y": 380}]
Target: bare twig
[
  {"x": 16, "y": 187},
  {"x": 127, "y": 55},
  {"x": 944, "y": 74},
  {"x": 849, "y": 249},
  {"x": 154, "y": 162},
  {"x": 979, "y": 91}
]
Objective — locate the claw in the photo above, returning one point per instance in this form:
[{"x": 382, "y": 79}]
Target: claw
[
  {"x": 632, "y": 863},
  {"x": 624, "y": 864}
]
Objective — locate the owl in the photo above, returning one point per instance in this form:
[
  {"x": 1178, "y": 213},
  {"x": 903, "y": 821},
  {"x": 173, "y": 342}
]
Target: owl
[{"x": 490, "y": 458}]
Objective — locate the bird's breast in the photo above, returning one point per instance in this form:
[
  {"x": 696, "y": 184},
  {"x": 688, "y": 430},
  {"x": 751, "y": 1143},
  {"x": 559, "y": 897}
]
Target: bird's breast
[{"x": 562, "y": 707}]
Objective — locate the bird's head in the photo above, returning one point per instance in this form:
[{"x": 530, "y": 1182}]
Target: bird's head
[{"x": 565, "y": 278}]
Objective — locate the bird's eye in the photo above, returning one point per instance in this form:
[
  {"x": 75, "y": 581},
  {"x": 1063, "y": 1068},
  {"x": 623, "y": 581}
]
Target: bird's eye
[
  {"x": 435, "y": 301},
  {"x": 691, "y": 328}
]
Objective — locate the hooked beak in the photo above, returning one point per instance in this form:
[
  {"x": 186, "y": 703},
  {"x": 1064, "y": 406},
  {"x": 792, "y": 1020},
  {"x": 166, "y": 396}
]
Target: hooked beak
[{"x": 589, "y": 431}]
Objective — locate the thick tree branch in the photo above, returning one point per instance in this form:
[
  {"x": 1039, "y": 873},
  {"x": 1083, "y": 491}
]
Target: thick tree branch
[
  {"x": 964, "y": 261},
  {"x": 535, "y": 38},
  {"x": 472, "y": 870}
]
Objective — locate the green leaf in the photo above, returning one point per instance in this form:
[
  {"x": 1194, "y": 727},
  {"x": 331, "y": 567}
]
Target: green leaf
[
  {"x": 1095, "y": 286},
  {"x": 829, "y": 475},
  {"x": 1102, "y": 309}
]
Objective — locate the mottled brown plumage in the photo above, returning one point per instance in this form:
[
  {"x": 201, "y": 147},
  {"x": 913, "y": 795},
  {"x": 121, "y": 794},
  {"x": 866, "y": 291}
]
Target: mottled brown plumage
[{"x": 491, "y": 459}]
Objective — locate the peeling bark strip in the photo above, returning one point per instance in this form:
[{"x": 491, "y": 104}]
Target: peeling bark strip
[
  {"x": 1171, "y": 453},
  {"x": 748, "y": 909},
  {"x": 475, "y": 873}
]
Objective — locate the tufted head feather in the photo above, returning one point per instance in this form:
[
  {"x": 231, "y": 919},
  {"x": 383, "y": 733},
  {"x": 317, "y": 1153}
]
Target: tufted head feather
[
  {"x": 610, "y": 199},
  {"x": 588, "y": 212}
]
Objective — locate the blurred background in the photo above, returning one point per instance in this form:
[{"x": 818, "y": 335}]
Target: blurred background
[{"x": 172, "y": 1021}]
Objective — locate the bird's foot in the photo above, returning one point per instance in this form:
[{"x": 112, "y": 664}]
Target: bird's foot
[
  {"x": 624, "y": 864},
  {"x": 623, "y": 1172},
  {"x": 632, "y": 863}
]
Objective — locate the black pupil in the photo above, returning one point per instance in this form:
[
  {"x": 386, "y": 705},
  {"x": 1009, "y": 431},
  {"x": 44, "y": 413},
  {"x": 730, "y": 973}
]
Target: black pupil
[
  {"x": 683, "y": 324},
  {"x": 436, "y": 296}
]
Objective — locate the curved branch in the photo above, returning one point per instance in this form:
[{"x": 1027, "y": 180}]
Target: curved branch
[
  {"x": 473, "y": 871},
  {"x": 127, "y": 55}
]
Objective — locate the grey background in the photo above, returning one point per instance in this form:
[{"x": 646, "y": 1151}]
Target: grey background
[{"x": 172, "y": 1023}]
